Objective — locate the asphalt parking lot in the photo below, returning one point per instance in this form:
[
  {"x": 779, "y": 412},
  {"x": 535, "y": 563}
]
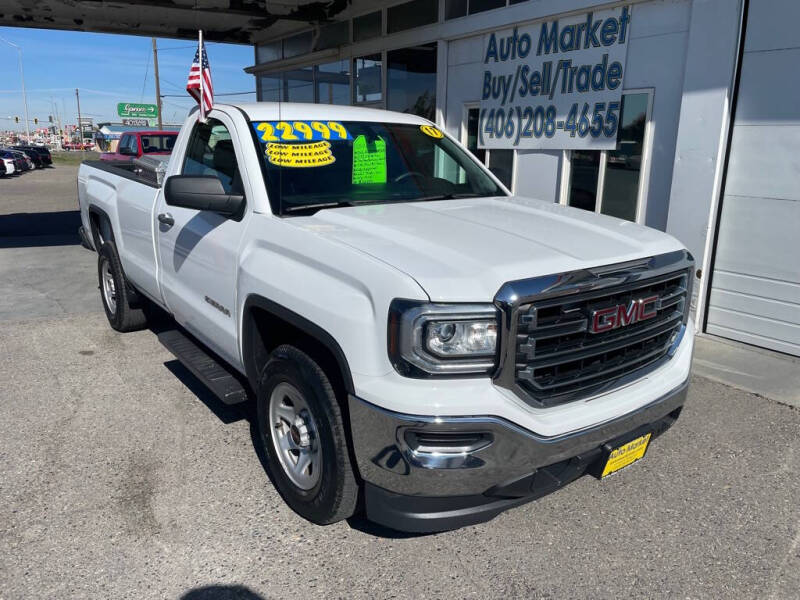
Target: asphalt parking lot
[{"x": 120, "y": 476}]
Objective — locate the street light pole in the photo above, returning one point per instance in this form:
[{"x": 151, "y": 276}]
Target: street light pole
[{"x": 22, "y": 79}]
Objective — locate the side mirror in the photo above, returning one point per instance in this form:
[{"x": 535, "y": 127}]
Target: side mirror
[{"x": 201, "y": 192}]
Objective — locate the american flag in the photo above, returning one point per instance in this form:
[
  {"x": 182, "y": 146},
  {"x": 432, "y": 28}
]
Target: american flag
[{"x": 201, "y": 90}]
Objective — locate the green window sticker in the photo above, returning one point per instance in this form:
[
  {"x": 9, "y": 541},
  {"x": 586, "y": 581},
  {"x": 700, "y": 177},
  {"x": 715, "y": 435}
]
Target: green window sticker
[{"x": 369, "y": 161}]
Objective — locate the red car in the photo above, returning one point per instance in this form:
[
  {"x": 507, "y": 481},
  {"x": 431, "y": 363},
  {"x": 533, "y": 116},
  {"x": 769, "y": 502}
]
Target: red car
[
  {"x": 135, "y": 144},
  {"x": 73, "y": 146}
]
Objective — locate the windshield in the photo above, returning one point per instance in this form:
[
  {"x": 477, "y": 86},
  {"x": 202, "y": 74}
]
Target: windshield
[
  {"x": 158, "y": 143},
  {"x": 312, "y": 165}
]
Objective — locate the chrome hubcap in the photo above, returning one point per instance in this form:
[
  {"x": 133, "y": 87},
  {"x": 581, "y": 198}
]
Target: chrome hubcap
[
  {"x": 294, "y": 436},
  {"x": 109, "y": 289}
]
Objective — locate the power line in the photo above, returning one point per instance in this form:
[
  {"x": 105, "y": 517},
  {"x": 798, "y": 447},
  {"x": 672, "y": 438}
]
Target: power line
[
  {"x": 83, "y": 91},
  {"x": 181, "y": 106},
  {"x": 182, "y": 47},
  {"x": 146, "y": 70},
  {"x": 215, "y": 95},
  {"x": 179, "y": 47},
  {"x": 175, "y": 85}
]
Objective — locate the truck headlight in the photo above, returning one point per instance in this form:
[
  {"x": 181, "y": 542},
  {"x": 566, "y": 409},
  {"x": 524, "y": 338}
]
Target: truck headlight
[
  {"x": 442, "y": 339},
  {"x": 461, "y": 338}
]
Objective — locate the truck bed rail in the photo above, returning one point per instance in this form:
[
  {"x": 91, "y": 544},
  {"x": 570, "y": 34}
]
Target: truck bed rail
[{"x": 128, "y": 170}]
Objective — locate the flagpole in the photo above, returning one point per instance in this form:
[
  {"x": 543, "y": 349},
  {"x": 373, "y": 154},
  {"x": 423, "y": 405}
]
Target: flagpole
[{"x": 200, "y": 55}]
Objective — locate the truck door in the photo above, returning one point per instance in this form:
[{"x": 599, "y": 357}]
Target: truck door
[{"x": 198, "y": 251}]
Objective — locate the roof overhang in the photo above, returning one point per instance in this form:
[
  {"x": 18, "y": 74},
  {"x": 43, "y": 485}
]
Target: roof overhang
[{"x": 235, "y": 21}]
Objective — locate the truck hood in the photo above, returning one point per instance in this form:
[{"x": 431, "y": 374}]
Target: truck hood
[{"x": 464, "y": 250}]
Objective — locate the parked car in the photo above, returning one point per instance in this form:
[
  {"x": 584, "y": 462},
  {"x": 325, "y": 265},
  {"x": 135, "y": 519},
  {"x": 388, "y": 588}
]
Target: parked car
[
  {"x": 2, "y": 168},
  {"x": 417, "y": 340},
  {"x": 41, "y": 152},
  {"x": 44, "y": 152},
  {"x": 34, "y": 157},
  {"x": 26, "y": 161},
  {"x": 74, "y": 146},
  {"x": 16, "y": 158},
  {"x": 8, "y": 164},
  {"x": 135, "y": 144}
]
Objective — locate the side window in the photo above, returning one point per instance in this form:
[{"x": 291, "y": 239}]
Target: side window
[
  {"x": 210, "y": 152},
  {"x": 123, "y": 143},
  {"x": 133, "y": 144}
]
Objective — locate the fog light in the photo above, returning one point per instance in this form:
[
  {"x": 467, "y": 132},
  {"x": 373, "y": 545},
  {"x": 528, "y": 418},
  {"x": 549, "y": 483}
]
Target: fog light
[{"x": 447, "y": 442}]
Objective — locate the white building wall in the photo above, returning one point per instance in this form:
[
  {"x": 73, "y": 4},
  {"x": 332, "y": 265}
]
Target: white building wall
[
  {"x": 657, "y": 59},
  {"x": 707, "y": 78}
]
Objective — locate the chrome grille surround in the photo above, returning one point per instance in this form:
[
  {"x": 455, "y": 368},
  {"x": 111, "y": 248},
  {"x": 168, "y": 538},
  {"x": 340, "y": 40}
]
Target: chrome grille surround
[{"x": 548, "y": 356}]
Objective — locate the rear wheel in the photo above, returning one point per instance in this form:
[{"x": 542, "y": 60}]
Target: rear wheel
[
  {"x": 121, "y": 303},
  {"x": 303, "y": 438}
]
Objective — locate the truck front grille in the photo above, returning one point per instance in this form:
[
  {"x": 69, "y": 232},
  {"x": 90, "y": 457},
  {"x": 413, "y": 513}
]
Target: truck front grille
[
  {"x": 571, "y": 335},
  {"x": 558, "y": 357}
]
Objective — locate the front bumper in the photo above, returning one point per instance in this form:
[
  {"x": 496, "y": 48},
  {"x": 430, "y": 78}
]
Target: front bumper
[{"x": 432, "y": 491}]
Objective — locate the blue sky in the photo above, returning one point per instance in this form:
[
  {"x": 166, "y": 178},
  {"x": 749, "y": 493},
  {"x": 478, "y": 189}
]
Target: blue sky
[{"x": 107, "y": 69}]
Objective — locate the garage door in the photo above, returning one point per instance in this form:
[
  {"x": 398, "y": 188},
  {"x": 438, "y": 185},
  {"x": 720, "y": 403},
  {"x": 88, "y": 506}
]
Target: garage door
[{"x": 755, "y": 289}]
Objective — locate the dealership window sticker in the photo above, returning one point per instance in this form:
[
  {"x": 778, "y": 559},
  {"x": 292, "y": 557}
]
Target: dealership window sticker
[{"x": 369, "y": 161}]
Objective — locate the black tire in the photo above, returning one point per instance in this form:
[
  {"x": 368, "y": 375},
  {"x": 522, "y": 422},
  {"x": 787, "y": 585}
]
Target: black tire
[
  {"x": 335, "y": 495},
  {"x": 126, "y": 313}
]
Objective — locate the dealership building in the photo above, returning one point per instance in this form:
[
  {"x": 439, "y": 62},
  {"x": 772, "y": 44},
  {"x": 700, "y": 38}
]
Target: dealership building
[{"x": 683, "y": 115}]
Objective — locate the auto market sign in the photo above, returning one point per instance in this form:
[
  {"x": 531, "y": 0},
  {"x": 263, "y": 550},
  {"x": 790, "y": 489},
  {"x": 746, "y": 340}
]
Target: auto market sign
[
  {"x": 141, "y": 111},
  {"x": 555, "y": 85}
]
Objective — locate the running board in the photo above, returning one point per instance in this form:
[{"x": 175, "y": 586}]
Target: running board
[{"x": 211, "y": 371}]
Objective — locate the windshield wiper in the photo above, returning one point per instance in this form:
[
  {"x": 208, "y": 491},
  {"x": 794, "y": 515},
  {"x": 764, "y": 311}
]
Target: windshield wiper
[
  {"x": 318, "y": 206},
  {"x": 312, "y": 208},
  {"x": 449, "y": 196}
]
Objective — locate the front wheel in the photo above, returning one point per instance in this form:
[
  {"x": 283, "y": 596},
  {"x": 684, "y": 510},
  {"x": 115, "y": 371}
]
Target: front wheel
[{"x": 303, "y": 437}]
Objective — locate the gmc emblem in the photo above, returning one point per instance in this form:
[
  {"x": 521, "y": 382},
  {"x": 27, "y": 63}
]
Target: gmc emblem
[{"x": 621, "y": 315}]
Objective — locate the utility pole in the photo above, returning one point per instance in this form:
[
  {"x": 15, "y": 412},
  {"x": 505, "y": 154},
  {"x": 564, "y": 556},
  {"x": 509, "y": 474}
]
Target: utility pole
[
  {"x": 58, "y": 122},
  {"x": 158, "y": 84},
  {"x": 80, "y": 125},
  {"x": 22, "y": 79},
  {"x": 24, "y": 97}
]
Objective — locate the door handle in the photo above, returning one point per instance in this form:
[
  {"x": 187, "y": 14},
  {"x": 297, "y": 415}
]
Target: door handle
[{"x": 166, "y": 219}]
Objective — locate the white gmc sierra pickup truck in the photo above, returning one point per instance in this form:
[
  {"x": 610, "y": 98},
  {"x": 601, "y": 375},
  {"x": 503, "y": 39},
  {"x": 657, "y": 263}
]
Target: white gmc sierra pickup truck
[{"x": 419, "y": 343}]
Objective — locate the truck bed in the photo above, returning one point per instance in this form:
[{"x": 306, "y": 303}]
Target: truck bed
[{"x": 134, "y": 171}]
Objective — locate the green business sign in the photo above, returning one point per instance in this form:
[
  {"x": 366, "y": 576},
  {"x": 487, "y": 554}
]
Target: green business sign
[{"x": 142, "y": 111}]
